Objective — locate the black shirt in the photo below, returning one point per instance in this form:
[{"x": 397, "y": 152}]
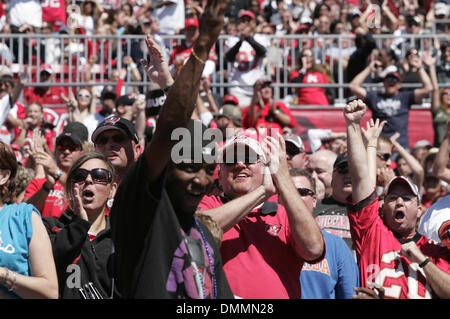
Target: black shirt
[{"x": 153, "y": 260}]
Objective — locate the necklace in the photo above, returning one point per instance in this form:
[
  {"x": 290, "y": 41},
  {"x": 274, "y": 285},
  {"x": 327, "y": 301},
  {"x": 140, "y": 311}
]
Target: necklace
[{"x": 211, "y": 262}]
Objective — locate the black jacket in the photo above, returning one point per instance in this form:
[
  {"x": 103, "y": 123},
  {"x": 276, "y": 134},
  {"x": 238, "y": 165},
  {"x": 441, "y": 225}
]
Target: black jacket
[{"x": 81, "y": 264}]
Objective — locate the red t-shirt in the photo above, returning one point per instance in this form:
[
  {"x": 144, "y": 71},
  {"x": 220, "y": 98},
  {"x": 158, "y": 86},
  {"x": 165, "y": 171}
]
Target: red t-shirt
[
  {"x": 378, "y": 252},
  {"x": 42, "y": 96},
  {"x": 54, "y": 11},
  {"x": 264, "y": 119},
  {"x": 55, "y": 203},
  {"x": 311, "y": 95},
  {"x": 258, "y": 258}
]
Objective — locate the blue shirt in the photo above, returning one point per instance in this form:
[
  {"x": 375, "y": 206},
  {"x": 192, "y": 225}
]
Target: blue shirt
[
  {"x": 393, "y": 109},
  {"x": 16, "y": 230},
  {"x": 335, "y": 276}
]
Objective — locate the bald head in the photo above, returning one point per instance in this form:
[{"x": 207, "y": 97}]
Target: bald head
[{"x": 321, "y": 167}]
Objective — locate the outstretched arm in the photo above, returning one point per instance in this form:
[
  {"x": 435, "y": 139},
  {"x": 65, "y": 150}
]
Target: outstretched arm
[
  {"x": 181, "y": 99},
  {"x": 416, "y": 167},
  {"x": 356, "y": 84},
  {"x": 427, "y": 86},
  {"x": 306, "y": 234},
  {"x": 363, "y": 184}
]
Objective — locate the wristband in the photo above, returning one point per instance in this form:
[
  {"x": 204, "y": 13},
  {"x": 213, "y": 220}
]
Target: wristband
[
  {"x": 425, "y": 262},
  {"x": 46, "y": 188},
  {"x": 59, "y": 173}
]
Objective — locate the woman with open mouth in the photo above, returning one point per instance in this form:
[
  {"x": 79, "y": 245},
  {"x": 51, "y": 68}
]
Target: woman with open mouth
[{"x": 81, "y": 237}]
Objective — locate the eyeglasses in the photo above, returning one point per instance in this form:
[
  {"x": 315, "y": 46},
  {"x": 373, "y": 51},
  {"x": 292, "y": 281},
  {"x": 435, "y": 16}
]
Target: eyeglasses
[
  {"x": 384, "y": 156},
  {"x": 342, "y": 169},
  {"x": 70, "y": 147},
  {"x": 393, "y": 197},
  {"x": 99, "y": 175},
  {"x": 305, "y": 192},
  {"x": 84, "y": 95},
  {"x": 117, "y": 139}
]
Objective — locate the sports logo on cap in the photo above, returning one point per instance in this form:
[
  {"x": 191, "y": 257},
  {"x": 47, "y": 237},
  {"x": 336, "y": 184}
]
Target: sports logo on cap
[{"x": 113, "y": 120}]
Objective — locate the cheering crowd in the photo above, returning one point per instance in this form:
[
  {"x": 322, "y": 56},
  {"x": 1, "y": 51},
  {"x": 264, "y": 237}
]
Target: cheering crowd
[{"x": 207, "y": 198}]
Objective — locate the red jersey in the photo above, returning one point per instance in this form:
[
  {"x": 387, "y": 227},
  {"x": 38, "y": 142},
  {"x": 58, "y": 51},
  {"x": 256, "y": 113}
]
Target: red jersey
[
  {"x": 54, "y": 11},
  {"x": 311, "y": 95},
  {"x": 55, "y": 203},
  {"x": 266, "y": 119},
  {"x": 42, "y": 96},
  {"x": 183, "y": 51},
  {"x": 258, "y": 255},
  {"x": 378, "y": 252}
]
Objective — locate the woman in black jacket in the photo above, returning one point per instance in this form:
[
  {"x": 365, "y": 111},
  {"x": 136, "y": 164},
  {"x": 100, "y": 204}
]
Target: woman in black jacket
[{"x": 81, "y": 237}]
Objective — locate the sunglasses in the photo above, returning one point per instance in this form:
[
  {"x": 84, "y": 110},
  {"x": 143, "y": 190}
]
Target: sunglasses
[
  {"x": 84, "y": 95},
  {"x": 247, "y": 159},
  {"x": 98, "y": 175},
  {"x": 117, "y": 139},
  {"x": 305, "y": 192},
  {"x": 70, "y": 147},
  {"x": 392, "y": 79},
  {"x": 393, "y": 197},
  {"x": 384, "y": 156},
  {"x": 342, "y": 169}
]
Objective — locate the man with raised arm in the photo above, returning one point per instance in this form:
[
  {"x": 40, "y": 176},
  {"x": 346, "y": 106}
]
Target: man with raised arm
[
  {"x": 390, "y": 252},
  {"x": 391, "y": 104},
  {"x": 162, "y": 250},
  {"x": 264, "y": 244}
]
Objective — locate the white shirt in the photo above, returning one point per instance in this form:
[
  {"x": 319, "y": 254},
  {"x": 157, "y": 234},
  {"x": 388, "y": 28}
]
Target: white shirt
[
  {"x": 171, "y": 17},
  {"x": 26, "y": 12},
  {"x": 247, "y": 67},
  {"x": 435, "y": 216}
]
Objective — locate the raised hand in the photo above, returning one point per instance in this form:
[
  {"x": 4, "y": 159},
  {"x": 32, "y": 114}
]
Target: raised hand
[
  {"x": 77, "y": 202},
  {"x": 354, "y": 111},
  {"x": 372, "y": 132},
  {"x": 275, "y": 150},
  {"x": 211, "y": 23},
  {"x": 157, "y": 68}
]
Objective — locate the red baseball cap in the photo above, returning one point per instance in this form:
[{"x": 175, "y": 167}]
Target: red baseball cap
[
  {"x": 247, "y": 13},
  {"x": 191, "y": 22},
  {"x": 230, "y": 99}
]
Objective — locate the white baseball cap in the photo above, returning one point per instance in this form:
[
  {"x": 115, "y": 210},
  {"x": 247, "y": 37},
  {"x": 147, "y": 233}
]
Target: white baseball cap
[{"x": 403, "y": 179}]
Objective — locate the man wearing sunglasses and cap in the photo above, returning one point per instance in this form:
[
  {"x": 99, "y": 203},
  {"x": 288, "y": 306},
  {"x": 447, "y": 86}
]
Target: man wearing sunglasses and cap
[
  {"x": 262, "y": 239},
  {"x": 162, "y": 250},
  {"x": 117, "y": 139},
  {"x": 392, "y": 105},
  {"x": 47, "y": 194},
  {"x": 390, "y": 251}
]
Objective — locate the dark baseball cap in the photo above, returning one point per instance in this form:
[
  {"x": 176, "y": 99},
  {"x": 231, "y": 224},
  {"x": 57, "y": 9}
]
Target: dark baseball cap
[
  {"x": 75, "y": 131},
  {"x": 341, "y": 159},
  {"x": 125, "y": 100},
  {"x": 116, "y": 123},
  {"x": 109, "y": 92}
]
